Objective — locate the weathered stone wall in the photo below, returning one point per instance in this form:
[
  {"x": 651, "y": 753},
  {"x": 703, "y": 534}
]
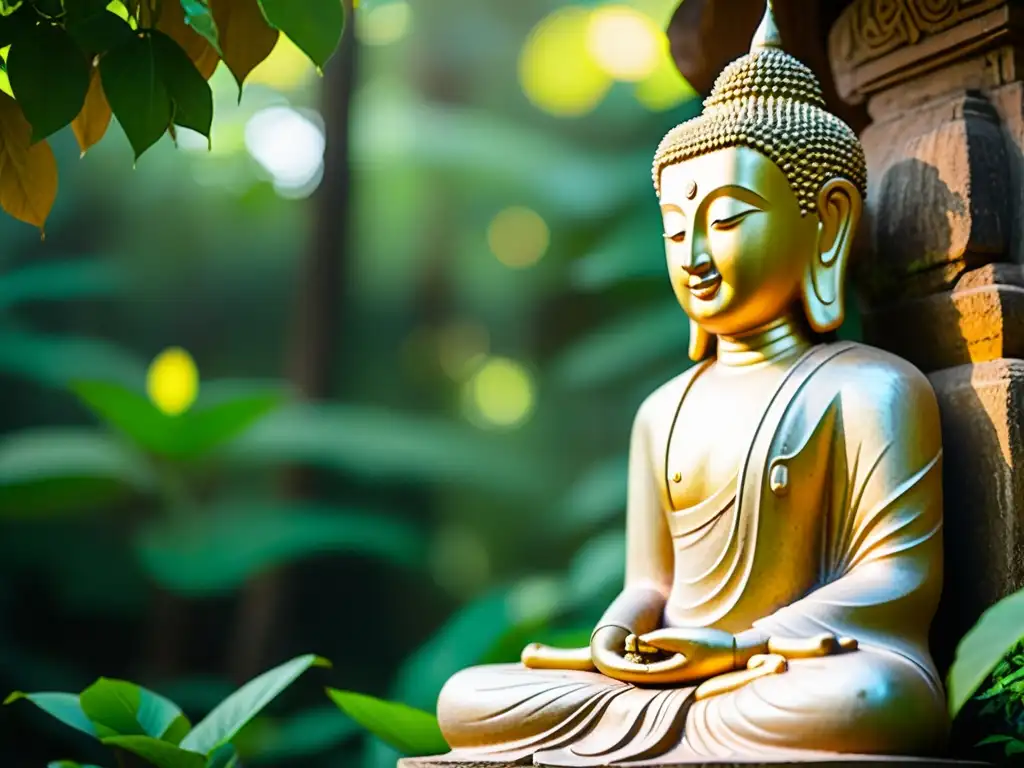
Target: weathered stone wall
[{"x": 939, "y": 258}]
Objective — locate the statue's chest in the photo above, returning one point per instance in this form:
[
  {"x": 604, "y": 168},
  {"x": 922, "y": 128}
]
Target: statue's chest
[{"x": 710, "y": 436}]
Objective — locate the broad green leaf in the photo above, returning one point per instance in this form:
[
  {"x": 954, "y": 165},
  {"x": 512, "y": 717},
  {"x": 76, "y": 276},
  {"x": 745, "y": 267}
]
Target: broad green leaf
[
  {"x": 62, "y": 706},
  {"x": 192, "y": 97},
  {"x": 598, "y": 496},
  {"x": 198, "y": 16},
  {"x": 246, "y": 39},
  {"x": 158, "y": 753},
  {"x": 225, "y": 756},
  {"x": 315, "y": 26},
  {"x": 219, "y": 548},
  {"x": 66, "y": 468},
  {"x": 172, "y": 23},
  {"x": 122, "y": 708},
  {"x": 186, "y": 436},
  {"x": 59, "y": 281},
  {"x": 381, "y": 444},
  {"x": 412, "y": 732},
  {"x": 95, "y": 29},
  {"x": 268, "y": 741},
  {"x": 638, "y": 339},
  {"x": 137, "y": 95},
  {"x": 228, "y": 718},
  {"x": 50, "y": 77},
  {"x": 998, "y": 630},
  {"x": 55, "y": 361}
]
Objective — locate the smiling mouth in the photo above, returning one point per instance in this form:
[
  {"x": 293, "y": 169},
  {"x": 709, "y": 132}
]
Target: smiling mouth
[{"x": 704, "y": 288}]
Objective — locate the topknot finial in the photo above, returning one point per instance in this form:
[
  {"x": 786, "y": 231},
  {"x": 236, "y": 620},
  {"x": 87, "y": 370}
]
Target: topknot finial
[{"x": 767, "y": 35}]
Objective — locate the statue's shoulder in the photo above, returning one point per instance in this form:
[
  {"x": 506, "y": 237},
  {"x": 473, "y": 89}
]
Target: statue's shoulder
[
  {"x": 666, "y": 398},
  {"x": 871, "y": 380}
]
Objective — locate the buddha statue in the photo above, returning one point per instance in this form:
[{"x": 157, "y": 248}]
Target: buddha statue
[{"x": 784, "y": 514}]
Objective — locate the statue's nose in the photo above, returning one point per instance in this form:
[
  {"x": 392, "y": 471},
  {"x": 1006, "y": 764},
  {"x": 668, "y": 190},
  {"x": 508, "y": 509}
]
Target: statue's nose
[{"x": 698, "y": 264}]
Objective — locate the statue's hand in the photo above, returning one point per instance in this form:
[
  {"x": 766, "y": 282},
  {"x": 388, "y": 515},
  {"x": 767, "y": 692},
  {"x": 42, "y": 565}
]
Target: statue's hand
[{"x": 704, "y": 653}]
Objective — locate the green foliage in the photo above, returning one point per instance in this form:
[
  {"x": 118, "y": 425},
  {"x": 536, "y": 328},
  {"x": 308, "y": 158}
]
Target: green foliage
[
  {"x": 128, "y": 717},
  {"x": 412, "y": 732},
  {"x": 153, "y": 70},
  {"x": 190, "y": 435},
  {"x": 997, "y": 632}
]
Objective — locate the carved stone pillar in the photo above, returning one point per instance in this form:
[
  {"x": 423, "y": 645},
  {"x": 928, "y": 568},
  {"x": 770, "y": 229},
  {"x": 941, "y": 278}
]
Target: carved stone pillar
[{"x": 940, "y": 256}]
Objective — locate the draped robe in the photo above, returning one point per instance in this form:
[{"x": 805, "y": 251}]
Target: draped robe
[{"x": 833, "y": 524}]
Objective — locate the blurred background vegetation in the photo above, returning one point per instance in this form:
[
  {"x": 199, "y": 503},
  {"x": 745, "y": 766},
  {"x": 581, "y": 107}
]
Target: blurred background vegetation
[{"x": 445, "y": 255}]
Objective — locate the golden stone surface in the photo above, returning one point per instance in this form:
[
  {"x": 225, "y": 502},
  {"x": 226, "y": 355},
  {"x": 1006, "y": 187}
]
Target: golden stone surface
[{"x": 781, "y": 582}]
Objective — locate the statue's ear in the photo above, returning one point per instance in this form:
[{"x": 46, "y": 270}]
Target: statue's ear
[{"x": 839, "y": 210}]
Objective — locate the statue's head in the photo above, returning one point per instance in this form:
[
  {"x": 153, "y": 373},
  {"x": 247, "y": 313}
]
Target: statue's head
[{"x": 761, "y": 195}]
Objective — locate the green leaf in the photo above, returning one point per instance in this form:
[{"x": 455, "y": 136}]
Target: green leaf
[
  {"x": 228, "y": 718},
  {"x": 224, "y": 756},
  {"x": 998, "y": 630},
  {"x": 219, "y": 549},
  {"x": 137, "y": 94},
  {"x": 55, "y": 361},
  {"x": 69, "y": 764},
  {"x": 122, "y": 708},
  {"x": 185, "y": 436},
  {"x": 198, "y": 16},
  {"x": 599, "y": 495},
  {"x": 62, "y": 706},
  {"x": 50, "y": 77},
  {"x": 624, "y": 345},
  {"x": 14, "y": 26},
  {"x": 380, "y": 444},
  {"x": 95, "y": 29},
  {"x": 158, "y": 753},
  {"x": 60, "y": 281},
  {"x": 412, "y": 732},
  {"x": 315, "y": 26},
  {"x": 191, "y": 94},
  {"x": 64, "y": 468}
]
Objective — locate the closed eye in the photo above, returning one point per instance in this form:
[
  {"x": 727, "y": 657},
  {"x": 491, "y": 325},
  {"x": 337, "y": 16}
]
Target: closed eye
[
  {"x": 734, "y": 220},
  {"x": 678, "y": 237}
]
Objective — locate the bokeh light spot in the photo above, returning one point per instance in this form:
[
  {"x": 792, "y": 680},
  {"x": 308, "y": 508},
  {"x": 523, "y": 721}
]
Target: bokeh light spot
[
  {"x": 385, "y": 24},
  {"x": 556, "y": 69},
  {"x": 461, "y": 349},
  {"x": 624, "y": 42},
  {"x": 502, "y": 392},
  {"x": 518, "y": 237},
  {"x": 289, "y": 146},
  {"x": 666, "y": 87},
  {"x": 172, "y": 381}
]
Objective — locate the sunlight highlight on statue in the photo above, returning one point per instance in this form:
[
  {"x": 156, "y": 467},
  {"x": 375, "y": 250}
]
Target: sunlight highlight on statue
[{"x": 784, "y": 518}]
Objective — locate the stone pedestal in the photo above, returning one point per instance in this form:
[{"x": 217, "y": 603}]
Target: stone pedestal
[
  {"x": 939, "y": 259},
  {"x": 853, "y": 761}
]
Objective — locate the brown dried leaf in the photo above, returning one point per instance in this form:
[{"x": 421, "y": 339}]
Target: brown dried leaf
[
  {"x": 172, "y": 23},
  {"x": 94, "y": 119},
  {"x": 28, "y": 172},
  {"x": 244, "y": 35}
]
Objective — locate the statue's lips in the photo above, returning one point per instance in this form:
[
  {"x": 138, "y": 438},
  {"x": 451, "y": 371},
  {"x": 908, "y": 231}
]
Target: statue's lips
[{"x": 706, "y": 287}]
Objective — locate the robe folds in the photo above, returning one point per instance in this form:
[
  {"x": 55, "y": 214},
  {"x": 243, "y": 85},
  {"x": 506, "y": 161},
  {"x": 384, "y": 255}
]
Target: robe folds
[{"x": 832, "y": 524}]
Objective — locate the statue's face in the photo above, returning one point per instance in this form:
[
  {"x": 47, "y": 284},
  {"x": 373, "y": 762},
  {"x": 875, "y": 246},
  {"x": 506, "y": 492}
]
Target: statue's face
[{"x": 737, "y": 245}]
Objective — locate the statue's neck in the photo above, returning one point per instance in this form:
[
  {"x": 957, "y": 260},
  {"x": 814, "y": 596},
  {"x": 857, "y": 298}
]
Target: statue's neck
[{"x": 774, "y": 341}]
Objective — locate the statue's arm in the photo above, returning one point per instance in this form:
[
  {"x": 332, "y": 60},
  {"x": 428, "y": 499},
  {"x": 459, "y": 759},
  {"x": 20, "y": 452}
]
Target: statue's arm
[{"x": 649, "y": 556}]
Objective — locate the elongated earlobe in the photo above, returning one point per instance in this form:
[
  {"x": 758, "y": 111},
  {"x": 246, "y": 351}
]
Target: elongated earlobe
[
  {"x": 702, "y": 343},
  {"x": 839, "y": 211}
]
